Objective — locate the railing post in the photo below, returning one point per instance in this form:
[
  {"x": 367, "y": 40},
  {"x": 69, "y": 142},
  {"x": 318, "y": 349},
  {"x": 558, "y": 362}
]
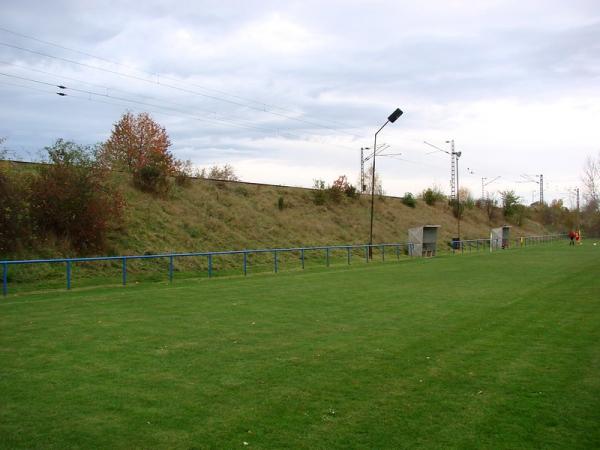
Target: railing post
[
  {"x": 398, "y": 252},
  {"x": 210, "y": 265},
  {"x": 302, "y": 257},
  {"x": 124, "y": 271},
  {"x": 68, "y": 274},
  {"x": 275, "y": 261},
  {"x": 171, "y": 268},
  {"x": 327, "y": 256},
  {"x": 5, "y": 279},
  {"x": 348, "y": 251},
  {"x": 367, "y": 253},
  {"x": 245, "y": 263}
]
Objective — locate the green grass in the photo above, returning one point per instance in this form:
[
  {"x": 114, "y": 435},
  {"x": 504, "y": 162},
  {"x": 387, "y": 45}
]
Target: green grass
[{"x": 492, "y": 351}]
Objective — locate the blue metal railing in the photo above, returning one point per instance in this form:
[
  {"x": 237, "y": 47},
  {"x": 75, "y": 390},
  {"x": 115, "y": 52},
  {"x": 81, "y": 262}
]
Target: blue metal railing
[
  {"x": 499, "y": 244},
  {"x": 69, "y": 262},
  {"x": 400, "y": 248}
]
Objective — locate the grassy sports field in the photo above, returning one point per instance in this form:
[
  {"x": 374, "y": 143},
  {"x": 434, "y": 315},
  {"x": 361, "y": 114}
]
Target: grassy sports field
[{"x": 485, "y": 350}]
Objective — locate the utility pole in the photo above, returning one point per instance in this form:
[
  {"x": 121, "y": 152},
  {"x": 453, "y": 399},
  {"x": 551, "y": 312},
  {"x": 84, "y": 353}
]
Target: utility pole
[
  {"x": 541, "y": 189},
  {"x": 453, "y": 183},
  {"x": 454, "y": 186},
  {"x": 364, "y": 159},
  {"x": 362, "y": 169},
  {"x": 457, "y": 155}
]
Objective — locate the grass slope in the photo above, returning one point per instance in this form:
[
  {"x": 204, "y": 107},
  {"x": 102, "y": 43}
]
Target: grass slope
[
  {"x": 211, "y": 215},
  {"x": 493, "y": 351}
]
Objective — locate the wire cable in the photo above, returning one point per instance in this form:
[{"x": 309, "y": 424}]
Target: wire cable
[
  {"x": 63, "y": 88},
  {"x": 171, "y": 86}
]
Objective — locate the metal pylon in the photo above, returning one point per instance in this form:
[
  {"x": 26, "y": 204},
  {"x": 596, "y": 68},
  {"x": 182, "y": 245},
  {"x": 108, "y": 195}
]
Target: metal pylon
[{"x": 452, "y": 172}]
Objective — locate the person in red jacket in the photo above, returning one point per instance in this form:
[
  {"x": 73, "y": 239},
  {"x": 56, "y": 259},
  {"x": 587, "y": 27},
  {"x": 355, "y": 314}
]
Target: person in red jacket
[{"x": 572, "y": 235}]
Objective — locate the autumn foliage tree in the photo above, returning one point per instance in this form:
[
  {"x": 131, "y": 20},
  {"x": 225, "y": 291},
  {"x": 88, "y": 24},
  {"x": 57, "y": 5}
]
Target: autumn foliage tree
[{"x": 140, "y": 145}]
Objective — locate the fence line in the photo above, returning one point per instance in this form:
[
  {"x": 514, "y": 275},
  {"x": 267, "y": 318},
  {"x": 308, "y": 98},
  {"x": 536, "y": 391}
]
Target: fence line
[
  {"x": 500, "y": 244},
  {"x": 398, "y": 249}
]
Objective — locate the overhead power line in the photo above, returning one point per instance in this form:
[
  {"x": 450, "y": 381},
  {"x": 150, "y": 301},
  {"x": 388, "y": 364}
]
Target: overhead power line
[
  {"x": 63, "y": 88},
  {"x": 156, "y": 81},
  {"x": 100, "y": 58},
  {"x": 109, "y": 88}
]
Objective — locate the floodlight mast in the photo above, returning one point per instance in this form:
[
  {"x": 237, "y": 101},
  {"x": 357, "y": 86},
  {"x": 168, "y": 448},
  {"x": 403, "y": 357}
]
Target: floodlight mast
[{"x": 391, "y": 119}]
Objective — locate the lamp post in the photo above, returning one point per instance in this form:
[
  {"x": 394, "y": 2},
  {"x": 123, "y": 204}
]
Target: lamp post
[{"x": 391, "y": 119}]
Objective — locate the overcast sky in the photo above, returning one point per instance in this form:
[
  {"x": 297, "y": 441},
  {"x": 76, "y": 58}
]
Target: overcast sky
[{"x": 288, "y": 92}]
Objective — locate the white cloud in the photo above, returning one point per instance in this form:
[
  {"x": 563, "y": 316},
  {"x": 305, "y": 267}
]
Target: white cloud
[{"x": 514, "y": 83}]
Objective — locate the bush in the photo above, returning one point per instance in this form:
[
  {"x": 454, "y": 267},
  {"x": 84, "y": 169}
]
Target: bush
[
  {"x": 409, "y": 200},
  {"x": 150, "y": 178},
  {"x": 15, "y": 224},
  {"x": 280, "y": 204},
  {"x": 351, "y": 191},
  {"x": 335, "y": 192},
  {"x": 433, "y": 195},
  {"x": 457, "y": 208},
  {"x": 488, "y": 205},
  {"x": 469, "y": 202},
  {"x": 72, "y": 199},
  {"x": 318, "y": 192},
  {"x": 241, "y": 190},
  {"x": 184, "y": 173},
  {"x": 338, "y": 188}
]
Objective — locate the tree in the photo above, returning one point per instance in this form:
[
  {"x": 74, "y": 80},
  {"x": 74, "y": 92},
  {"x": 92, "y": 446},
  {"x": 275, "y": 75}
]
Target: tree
[
  {"x": 510, "y": 202},
  {"x": 141, "y": 146},
  {"x": 368, "y": 184},
  {"x": 341, "y": 186},
  {"x": 591, "y": 181},
  {"x": 488, "y": 204},
  {"x": 184, "y": 172}
]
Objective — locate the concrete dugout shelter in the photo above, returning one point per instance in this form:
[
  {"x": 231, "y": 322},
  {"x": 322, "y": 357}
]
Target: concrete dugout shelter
[
  {"x": 423, "y": 240},
  {"x": 499, "y": 237}
]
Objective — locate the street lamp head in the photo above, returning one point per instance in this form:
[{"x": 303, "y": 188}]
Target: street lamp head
[
  {"x": 394, "y": 116},
  {"x": 458, "y": 154}
]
